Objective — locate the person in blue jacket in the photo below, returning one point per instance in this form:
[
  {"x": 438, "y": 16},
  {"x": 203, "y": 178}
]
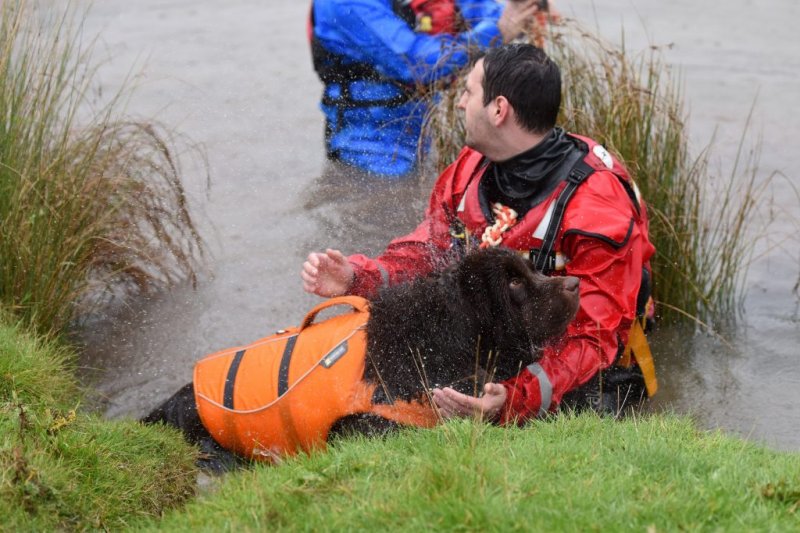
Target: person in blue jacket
[{"x": 375, "y": 57}]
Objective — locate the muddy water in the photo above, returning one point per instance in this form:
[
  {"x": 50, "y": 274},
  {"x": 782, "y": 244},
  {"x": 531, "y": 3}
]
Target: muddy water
[{"x": 236, "y": 77}]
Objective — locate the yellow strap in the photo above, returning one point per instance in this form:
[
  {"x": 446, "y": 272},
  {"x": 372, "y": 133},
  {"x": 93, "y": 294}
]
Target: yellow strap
[{"x": 638, "y": 347}]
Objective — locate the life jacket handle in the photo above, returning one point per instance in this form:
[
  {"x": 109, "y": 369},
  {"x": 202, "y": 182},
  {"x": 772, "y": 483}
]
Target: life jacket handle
[{"x": 356, "y": 302}]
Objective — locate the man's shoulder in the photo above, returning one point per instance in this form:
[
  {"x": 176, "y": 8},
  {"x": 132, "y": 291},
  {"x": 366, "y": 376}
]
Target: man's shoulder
[
  {"x": 464, "y": 165},
  {"x": 603, "y": 208},
  {"x": 601, "y": 159},
  {"x": 603, "y": 188},
  {"x": 454, "y": 179}
]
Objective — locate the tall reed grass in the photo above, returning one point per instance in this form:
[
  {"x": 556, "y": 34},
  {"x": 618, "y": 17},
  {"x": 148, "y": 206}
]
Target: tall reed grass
[
  {"x": 633, "y": 105},
  {"x": 87, "y": 198}
]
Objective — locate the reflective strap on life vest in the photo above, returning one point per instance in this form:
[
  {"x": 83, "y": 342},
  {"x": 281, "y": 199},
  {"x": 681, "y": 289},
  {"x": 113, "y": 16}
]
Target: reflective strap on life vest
[
  {"x": 545, "y": 387},
  {"x": 639, "y": 349}
]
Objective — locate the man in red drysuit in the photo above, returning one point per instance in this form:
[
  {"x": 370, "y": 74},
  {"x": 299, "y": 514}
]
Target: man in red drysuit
[{"x": 562, "y": 199}]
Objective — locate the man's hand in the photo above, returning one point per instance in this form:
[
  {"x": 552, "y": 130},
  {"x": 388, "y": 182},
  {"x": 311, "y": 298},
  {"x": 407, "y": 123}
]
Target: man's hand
[
  {"x": 516, "y": 18},
  {"x": 453, "y": 404},
  {"x": 327, "y": 274}
]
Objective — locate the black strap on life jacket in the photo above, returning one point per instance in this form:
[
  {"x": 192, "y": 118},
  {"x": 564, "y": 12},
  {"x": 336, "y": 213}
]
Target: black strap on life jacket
[{"x": 544, "y": 258}]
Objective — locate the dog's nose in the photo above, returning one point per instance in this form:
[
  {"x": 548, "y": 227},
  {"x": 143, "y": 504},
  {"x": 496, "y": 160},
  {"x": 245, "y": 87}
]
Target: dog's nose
[{"x": 571, "y": 283}]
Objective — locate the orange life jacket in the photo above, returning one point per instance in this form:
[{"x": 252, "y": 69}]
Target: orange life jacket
[{"x": 282, "y": 393}]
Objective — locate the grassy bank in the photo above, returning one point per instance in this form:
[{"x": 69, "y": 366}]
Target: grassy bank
[
  {"x": 61, "y": 469},
  {"x": 573, "y": 474}
]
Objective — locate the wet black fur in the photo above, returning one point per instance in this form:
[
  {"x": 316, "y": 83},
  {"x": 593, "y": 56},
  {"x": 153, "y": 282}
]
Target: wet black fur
[
  {"x": 489, "y": 313},
  {"x": 483, "y": 318}
]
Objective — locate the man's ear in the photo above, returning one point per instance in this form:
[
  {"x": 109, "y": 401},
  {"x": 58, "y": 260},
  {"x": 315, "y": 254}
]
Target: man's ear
[{"x": 501, "y": 111}]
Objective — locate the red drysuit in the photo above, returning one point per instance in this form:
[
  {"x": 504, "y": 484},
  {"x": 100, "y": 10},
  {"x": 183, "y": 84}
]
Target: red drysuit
[{"x": 603, "y": 240}]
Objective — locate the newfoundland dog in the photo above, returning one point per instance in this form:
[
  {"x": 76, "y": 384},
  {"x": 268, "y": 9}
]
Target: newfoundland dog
[{"x": 484, "y": 318}]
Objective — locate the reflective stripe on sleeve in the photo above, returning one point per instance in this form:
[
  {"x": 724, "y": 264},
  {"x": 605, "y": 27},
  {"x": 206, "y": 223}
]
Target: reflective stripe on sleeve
[
  {"x": 545, "y": 387},
  {"x": 541, "y": 229},
  {"x": 384, "y": 275}
]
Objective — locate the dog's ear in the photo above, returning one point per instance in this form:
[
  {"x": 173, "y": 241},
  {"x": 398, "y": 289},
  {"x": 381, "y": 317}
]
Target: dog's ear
[
  {"x": 486, "y": 278},
  {"x": 474, "y": 276}
]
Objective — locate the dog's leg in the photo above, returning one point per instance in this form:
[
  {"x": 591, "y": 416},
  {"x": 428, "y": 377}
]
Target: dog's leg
[
  {"x": 367, "y": 424},
  {"x": 180, "y": 411}
]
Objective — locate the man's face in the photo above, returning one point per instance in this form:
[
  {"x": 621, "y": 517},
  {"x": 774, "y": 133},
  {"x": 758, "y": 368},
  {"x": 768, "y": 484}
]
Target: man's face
[{"x": 477, "y": 125}]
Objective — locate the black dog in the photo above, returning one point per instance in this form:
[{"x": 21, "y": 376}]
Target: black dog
[{"x": 485, "y": 317}]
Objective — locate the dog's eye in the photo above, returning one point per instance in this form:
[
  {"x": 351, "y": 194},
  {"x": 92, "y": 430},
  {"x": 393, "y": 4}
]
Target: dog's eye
[{"x": 517, "y": 290}]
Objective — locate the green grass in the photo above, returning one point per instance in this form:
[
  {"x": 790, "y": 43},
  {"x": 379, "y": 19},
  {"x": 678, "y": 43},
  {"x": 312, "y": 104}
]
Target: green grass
[
  {"x": 88, "y": 199},
  {"x": 62, "y": 469},
  {"x": 572, "y": 474},
  {"x": 703, "y": 225}
]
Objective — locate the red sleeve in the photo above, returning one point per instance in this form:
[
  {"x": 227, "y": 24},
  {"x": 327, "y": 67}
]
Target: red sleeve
[
  {"x": 610, "y": 277},
  {"x": 417, "y": 253}
]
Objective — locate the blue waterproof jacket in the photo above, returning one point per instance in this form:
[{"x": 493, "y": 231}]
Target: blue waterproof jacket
[{"x": 373, "y": 118}]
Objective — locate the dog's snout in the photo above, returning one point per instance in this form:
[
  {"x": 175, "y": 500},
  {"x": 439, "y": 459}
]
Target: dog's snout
[{"x": 571, "y": 283}]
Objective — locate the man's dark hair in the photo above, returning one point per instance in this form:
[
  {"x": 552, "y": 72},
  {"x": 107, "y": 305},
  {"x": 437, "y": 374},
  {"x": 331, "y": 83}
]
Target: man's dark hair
[{"x": 530, "y": 81}]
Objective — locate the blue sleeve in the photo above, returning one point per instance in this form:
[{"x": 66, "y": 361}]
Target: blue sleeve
[
  {"x": 369, "y": 31},
  {"x": 475, "y": 11}
]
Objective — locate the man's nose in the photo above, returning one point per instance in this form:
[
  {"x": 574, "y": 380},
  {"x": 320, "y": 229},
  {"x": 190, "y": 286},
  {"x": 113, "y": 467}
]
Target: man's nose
[{"x": 461, "y": 104}]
